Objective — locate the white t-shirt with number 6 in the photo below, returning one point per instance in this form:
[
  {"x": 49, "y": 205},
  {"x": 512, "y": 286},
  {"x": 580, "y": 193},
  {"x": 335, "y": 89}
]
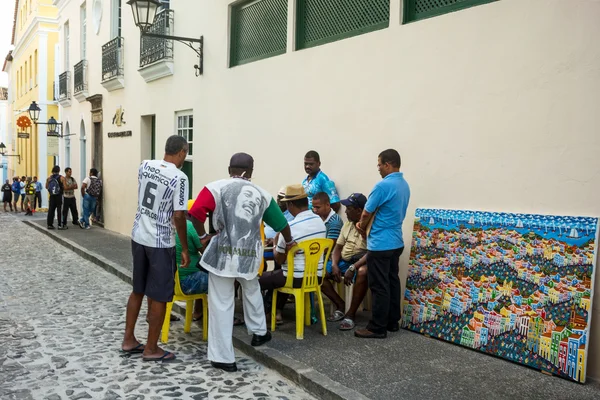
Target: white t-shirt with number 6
[{"x": 162, "y": 190}]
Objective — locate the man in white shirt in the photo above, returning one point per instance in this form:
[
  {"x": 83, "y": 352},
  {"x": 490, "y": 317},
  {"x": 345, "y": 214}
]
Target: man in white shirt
[
  {"x": 162, "y": 205},
  {"x": 306, "y": 225}
]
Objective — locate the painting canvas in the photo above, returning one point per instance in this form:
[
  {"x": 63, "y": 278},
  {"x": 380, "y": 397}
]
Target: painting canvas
[{"x": 517, "y": 286}]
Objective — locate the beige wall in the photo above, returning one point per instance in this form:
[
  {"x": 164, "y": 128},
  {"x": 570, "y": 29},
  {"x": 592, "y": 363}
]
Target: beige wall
[{"x": 492, "y": 108}]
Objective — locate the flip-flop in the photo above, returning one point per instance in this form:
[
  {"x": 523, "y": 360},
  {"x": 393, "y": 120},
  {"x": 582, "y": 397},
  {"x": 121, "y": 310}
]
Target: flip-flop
[
  {"x": 137, "y": 349},
  {"x": 165, "y": 357},
  {"x": 238, "y": 321},
  {"x": 337, "y": 316},
  {"x": 347, "y": 324}
]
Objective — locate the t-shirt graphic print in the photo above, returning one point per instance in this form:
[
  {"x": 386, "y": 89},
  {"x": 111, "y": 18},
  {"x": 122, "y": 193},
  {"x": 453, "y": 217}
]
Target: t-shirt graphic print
[{"x": 162, "y": 190}]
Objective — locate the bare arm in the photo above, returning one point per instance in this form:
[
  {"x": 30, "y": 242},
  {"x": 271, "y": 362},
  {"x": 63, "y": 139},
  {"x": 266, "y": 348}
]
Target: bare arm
[
  {"x": 364, "y": 221},
  {"x": 336, "y": 207},
  {"x": 335, "y": 259},
  {"x": 181, "y": 226},
  {"x": 83, "y": 187}
]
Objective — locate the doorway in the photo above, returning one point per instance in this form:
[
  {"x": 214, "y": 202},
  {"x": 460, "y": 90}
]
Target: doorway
[
  {"x": 97, "y": 162},
  {"x": 148, "y": 133},
  {"x": 188, "y": 169}
]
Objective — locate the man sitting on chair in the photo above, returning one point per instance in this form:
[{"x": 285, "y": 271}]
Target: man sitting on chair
[
  {"x": 305, "y": 226},
  {"x": 348, "y": 259}
]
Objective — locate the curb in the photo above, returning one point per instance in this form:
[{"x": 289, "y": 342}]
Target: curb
[{"x": 309, "y": 379}]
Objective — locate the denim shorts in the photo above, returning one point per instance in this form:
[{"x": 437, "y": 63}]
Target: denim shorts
[
  {"x": 344, "y": 265},
  {"x": 196, "y": 283}
]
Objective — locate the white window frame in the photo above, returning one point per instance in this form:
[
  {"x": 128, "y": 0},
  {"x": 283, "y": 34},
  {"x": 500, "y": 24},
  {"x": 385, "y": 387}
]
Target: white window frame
[
  {"x": 184, "y": 126},
  {"x": 115, "y": 19},
  {"x": 67, "y": 33},
  {"x": 83, "y": 27}
]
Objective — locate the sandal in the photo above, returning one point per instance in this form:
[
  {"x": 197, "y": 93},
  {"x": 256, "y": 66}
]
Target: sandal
[
  {"x": 338, "y": 315},
  {"x": 137, "y": 349},
  {"x": 238, "y": 321},
  {"x": 347, "y": 324},
  {"x": 167, "y": 356}
]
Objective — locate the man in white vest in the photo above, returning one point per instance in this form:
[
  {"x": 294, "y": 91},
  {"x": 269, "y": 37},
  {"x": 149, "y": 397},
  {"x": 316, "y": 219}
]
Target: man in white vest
[{"x": 237, "y": 208}]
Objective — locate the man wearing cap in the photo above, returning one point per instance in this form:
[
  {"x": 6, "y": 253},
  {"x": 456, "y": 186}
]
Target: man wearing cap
[
  {"x": 349, "y": 262},
  {"x": 384, "y": 212},
  {"x": 270, "y": 232},
  {"x": 306, "y": 225},
  {"x": 237, "y": 208},
  {"x": 316, "y": 181}
]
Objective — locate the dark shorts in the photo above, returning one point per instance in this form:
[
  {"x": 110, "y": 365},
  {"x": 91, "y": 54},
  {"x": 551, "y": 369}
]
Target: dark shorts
[{"x": 154, "y": 271}]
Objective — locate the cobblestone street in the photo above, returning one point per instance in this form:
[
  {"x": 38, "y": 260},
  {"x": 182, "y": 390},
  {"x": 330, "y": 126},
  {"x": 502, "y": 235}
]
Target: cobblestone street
[{"x": 61, "y": 325}]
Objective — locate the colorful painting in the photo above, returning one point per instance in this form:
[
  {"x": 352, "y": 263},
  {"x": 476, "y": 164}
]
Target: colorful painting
[{"x": 517, "y": 286}]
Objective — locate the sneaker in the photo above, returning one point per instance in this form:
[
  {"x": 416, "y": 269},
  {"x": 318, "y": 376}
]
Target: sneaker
[
  {"x": 224, "y": 366},
  {"x": 50, "y": 227},
  {"x": 75, "y": 223},
  {"x": 81, "y": 225},
  {"x": 88, "y": 227},
  {"x": 61, "y": 228}
]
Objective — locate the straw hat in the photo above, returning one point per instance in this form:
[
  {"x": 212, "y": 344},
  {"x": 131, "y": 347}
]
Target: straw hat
[{"x": 294, "y": 192}]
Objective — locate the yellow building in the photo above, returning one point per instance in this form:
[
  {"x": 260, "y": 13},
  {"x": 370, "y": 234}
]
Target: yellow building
[
  {"x": 545, "y": 342},
  {"x": 31, "y": 78}
]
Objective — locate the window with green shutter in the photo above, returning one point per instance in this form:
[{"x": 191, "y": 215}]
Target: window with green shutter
[
  {"x": 258, "y": 30},
  {"x": 324, "y": 21},
  {"x": 415, "y": 10}
]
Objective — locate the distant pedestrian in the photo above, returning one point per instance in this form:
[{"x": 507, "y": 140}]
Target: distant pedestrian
[
  {"x": 7, "y": 195},
  {"x": 91, "y": 189},
  {"x": 38, "y": 193},
  {"x": 16, "y": 191},
  {"x": 55, "y": 185},
  {"x": 29, "y": 196},
  {"x": 69, "y": 201},
  {"x": 22, "y": 183},
  {"x": 385, "y": 211},
  {"x": 238, "y": 208},
  {"x": 162, "y": 206}
]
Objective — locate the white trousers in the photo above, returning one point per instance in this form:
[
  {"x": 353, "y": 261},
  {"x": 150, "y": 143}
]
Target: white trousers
[{"x": 221, "y": 302}]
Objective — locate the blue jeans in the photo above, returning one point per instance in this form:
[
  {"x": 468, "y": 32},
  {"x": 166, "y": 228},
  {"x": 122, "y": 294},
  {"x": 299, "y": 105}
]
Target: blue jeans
[
  {"x": 89, "y": 207},
  {"x": 196, "y": 283}
]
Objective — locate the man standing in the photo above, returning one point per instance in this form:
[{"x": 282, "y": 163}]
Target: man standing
[
  {"x": 69, "y": 201},
  {"x": 29, "y": 196},
  {"x": 91, "y": 189},
  {"x": 16, "y": 190},
  {"x": 387, "y": 207},
  {"x": 38, "y": 193},
  {"x": 22, "y": 183},
  {"x": 162, "y": 203},
  {"x": 238, "y": 208},
  {"x": 317, "y": 181},
  {"x": 7, "y": 195},
  {"x": 55, "y": 185}
]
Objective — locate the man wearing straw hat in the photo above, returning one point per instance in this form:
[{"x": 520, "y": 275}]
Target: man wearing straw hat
[{"x": 237, "y": 209}]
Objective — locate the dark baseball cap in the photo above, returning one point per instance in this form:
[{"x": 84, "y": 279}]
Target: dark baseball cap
[
  {"x": 241, "y": 160},
  {"x": 356, "y": 200}
]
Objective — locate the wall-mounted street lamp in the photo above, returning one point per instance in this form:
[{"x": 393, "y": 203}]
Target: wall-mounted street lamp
[
  {"x": 144, "y": 12},
  {"x": 54, "y": 127},
  {"x": 3, "y": 153}
]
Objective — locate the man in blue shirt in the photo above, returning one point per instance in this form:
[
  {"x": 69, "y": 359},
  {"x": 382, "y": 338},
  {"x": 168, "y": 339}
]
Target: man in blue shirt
[
  {"x": 38, "y": 193},
  {"x": 381, "y": 222},
  {"x": 316, "y": 181}
]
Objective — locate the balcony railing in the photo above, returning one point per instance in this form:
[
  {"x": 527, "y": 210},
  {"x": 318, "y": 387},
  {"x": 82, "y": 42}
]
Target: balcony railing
[
  {"x": 63, "y": 86},
  {"x": 80, "y": 77},
  {"x": 156, "y": 49},
  {"x": 112, "y": 59}
]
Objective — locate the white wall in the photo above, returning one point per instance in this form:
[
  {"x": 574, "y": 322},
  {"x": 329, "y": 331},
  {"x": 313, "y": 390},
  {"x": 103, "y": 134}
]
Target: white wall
[{"x": 492, "y": 108}]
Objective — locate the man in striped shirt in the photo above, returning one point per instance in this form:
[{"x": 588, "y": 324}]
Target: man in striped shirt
[
  {"x": 305, "y": 226},
  {"x": 322, "y": 207}
]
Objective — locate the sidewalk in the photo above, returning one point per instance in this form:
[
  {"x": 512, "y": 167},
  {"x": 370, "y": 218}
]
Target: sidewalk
[{"x": 406, "y": 365}]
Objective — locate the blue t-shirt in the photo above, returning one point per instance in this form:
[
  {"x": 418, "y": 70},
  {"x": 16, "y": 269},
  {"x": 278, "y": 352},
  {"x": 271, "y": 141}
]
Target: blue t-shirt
[
  {"x": 320, "y": 183},
  {"x": 388, "y": 200}
]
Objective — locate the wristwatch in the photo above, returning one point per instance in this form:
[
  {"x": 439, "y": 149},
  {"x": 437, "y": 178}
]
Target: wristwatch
[{"x": 352, "y": 268}]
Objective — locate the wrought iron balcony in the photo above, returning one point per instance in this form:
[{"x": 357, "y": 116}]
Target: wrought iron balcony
[
  {"x": 112, "y": 64},
  {"x": 157, "y": 49},
  {"x": 80, "y": 77},
  {"x": 112, "y": 58},
  {"x": 64, "y": 92}
]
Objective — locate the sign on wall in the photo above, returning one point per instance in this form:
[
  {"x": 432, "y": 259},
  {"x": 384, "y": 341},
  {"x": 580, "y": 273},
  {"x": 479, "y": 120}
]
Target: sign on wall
[
  {"x": 52, "y": 146},
  {"x": 517, "y": 286}
]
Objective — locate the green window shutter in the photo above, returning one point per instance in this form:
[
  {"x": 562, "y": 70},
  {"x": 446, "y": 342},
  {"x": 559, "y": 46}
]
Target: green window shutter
[
  {"x": 258, "y": 30},
  {"x": 324, "y": 21},
  {"x": 415, "y": 10}
]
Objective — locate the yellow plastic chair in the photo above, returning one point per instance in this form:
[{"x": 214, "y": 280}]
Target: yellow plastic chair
[
  {"x": 189, "y": 309},
  {"x": 314, "y": 250}
]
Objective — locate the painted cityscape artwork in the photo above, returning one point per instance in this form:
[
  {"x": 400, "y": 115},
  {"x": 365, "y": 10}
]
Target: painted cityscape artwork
[{"x": 517, "y": 286}]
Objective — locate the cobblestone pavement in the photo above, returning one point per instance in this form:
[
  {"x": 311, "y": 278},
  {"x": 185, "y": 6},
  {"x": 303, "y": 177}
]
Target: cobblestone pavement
[{"x": 61, "y": 326}]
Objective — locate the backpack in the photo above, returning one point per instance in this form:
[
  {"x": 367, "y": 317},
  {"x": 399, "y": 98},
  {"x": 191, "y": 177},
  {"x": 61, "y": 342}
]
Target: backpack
[
  {"x": 95, "y": 187},
  {"x": 54, "y": 185},
  {"x": 16, "y": 187},
  {"x": 30, "y": 189}
]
